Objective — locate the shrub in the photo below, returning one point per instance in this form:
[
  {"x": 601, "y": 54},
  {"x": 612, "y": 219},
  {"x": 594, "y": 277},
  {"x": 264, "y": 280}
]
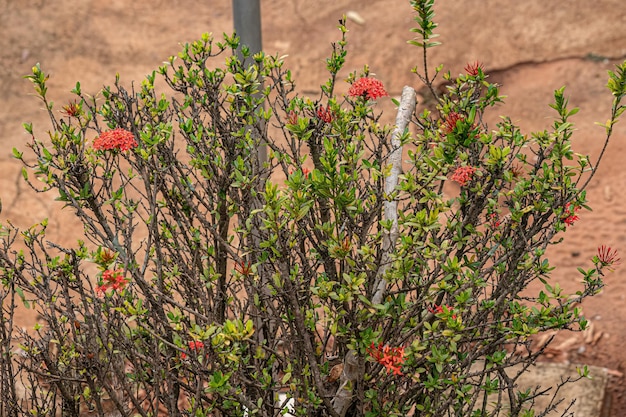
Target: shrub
[{"x": 359, "y": 269}]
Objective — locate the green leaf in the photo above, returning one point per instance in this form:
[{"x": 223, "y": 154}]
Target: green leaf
[{"x": 286, "y": 378}]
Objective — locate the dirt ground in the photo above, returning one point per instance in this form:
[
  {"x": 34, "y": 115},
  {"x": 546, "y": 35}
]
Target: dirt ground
[{"x": 531, "y": 48}]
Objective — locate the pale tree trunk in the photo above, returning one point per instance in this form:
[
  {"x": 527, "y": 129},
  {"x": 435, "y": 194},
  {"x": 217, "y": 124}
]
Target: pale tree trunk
[
  {"x": 351, "y": 363},
  {"x": 406, "y": 109}
]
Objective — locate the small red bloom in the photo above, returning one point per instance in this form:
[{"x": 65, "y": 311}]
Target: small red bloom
[
  {"x": 111, "y": 275},
  {"x": 72, "y": 109},
  {"x": 391, "y": 358},
  {"x": 463, "y": 175},
  {"x": 494, "y": 219},
  {"x": 195, "y": 346},
  {"x": 439, "y": 310},
  {"x": 292, "y": 117},
  {"x": 570, "y": 215},
  {"x": 119, "y": 283},
  {"x": 325, "y": 114},
  {"x": 449, "y": 124},
  {"x": 111, "y": 279},
  {"x": 473, "y": 68},
  {"x": 607, "y": 256},
  {"x": 517, "y": 171},
  {"x": 369, "y": 88},
  {"x": 569, "y": 220},
  {"x": 105, "y": 257},
  {"x": 305, "y": 171},
  {"x": 101, "y": 290},
  {"x": 244, "y": 268},
  {"x": 115, "y": 139}
]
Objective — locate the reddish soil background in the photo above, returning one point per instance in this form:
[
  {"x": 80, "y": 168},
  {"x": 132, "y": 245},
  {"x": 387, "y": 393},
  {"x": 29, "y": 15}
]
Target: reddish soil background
[{"x": 531, "y": 48}]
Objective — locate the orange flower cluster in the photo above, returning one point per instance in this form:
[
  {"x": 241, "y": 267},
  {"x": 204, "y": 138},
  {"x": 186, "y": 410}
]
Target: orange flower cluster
[
  {"x": 195, "y": 346},
  {"x": 369, "y": 88},
  {"x": 391, "y": 358},
  {"x": 115, "y": 139},
  {"x": 111, "y": 279},
  {"x": 463, "y": 175}
]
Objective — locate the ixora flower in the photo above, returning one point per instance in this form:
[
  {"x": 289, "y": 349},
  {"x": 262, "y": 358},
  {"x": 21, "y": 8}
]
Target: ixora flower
[
  {"x": 72, "y": 109},
  {"x": 391, "y": 358},
  {"x": 305, "y": 172},
  {"x": 325, "y": 114},
  {"x": 607, "y": 256},
  {"x": 569, "y": 214},
  {"x": 194, "y": 346},
  {"x": 494, "y": 219},
  {"x": 437, "y": 309},
  {"x": 463, "y": 175},
  {"x": 115, "y": 139},
  {"x": 244, "y": 268},
  {"x": 105, "y": 257},
  {"x": 473, "y": 68},
  {"x": 449, "y": 123},
  {"x": 292, "y": 117},
  {"x": 112, "y": 279},
  {"x": 367, "y": 87}
]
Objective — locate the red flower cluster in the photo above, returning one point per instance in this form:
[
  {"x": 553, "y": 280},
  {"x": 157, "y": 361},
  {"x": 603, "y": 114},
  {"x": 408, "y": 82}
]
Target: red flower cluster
[
  {"x": 570, "y": 214},
  {"x": 369, "y": 88},
  {"x": 195, "y": 346},
  {"x": 463, "y": 175},
  {"x": 439, "y": 309},
  {"x": 111, "y": 279},
  {"x": 607, "y": 256},
  {"x": 391, "y": 358},
  {"x": 450, "y": 122},
  {"x": 115, "y": 139},
  {"x": 325, "y": 114},
  {"x": 473, "y": 68}
]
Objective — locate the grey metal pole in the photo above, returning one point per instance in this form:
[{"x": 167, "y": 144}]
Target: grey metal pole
[{"x": 247, "y": 19}]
